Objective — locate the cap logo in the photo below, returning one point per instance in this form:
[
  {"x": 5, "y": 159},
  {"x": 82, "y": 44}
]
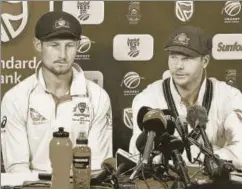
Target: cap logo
[
  {"x": 61, "y": 23},
  {"x": 182, "y": 39}
]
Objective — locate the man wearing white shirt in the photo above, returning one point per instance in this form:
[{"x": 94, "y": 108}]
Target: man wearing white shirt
[
  {"x": 57, "y": 95},
  {"x": 189, "y": 51}
]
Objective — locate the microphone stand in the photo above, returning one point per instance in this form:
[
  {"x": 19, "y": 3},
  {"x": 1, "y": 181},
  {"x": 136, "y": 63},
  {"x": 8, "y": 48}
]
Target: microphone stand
[
  {"x": 184, "y": 179},
  {"x": 218, "y": 169},
  {"x": 172, "y": 147}
]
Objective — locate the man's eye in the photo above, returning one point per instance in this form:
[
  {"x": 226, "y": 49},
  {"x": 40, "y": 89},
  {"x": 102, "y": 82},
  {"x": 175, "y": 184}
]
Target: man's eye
[
  {"x": 53, "y": 44},
  {"x": 70, "y": 45},
  {"x": 187, "y": 58}
]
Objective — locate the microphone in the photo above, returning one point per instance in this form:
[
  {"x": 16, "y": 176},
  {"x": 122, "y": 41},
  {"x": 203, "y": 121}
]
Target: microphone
[
  {"x": 197, "y": 117},
  {"x": 171, "y": 121},
  {"x": 108, "y": 169},
  {"x": 140, "y": 116},
  {"x": 120, "y": 169},
  {"x": 179, "y": 163},
  {"x": 141, "y": 141},
  {"x": 182, "y": 128},
  {"x": 153, "y": 123},
  {"x": 170, "y": 128}
]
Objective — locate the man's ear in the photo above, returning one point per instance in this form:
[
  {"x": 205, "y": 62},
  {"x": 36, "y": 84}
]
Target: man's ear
[
  {"x": 37, "y": 44},
  {"x": 206, "y": 60}
]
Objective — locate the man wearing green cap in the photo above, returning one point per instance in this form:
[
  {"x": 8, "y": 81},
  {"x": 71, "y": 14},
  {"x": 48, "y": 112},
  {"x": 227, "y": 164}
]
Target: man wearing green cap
[
  {"x": 187, "y": 85},
  {"x": 57, "y": 95}
]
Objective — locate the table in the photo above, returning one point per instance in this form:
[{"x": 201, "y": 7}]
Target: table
[{"x": 140, "y": 184}]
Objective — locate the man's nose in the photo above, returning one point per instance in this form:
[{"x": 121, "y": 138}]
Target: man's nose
[
  {"x": 62, "y": 52},
  {"x": 180, "y": 64}
]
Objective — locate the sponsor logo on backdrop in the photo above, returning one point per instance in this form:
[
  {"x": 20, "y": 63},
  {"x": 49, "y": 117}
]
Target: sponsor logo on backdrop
[
  {"x": 184, "y": 10},
  {"x": 133, "y": 44},
  {"x": 128, "y": 117},
  {"x": 134, "y": 12},
  {"x": 14, "y": 77},
  {"x": 83, "y": 8},
  {"x": 9, "y": 28},
  {"x": 231, "y": 12},
  {"x": 95, "y": 76},
  {"x": 227, "y": 46},
  {"x": 131, "y": 82},
  {"x": 133, "y": 47},
  {"x": 84, "y": 46},
  {"x": 230, "y": 77},
  {"x": 87, "y": 12}
]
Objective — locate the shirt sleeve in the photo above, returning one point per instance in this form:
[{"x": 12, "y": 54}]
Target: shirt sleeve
[
  {"x": 14, "y": 136},
  {"x": 101, "y": 132},
  {"x": 233, "y": 128}
]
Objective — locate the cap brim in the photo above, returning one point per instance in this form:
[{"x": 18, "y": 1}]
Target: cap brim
[
  {"x": 64, "y": 33},
  {"x": 183, "y": 50}
]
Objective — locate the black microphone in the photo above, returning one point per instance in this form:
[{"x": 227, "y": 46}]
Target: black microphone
[
  {"x": 179, "y": 163},
  {"x": 173, "y": 148},
  {"x": 152, "y": 122},
  {"x": 142, "y": 138},
  {"x": 155, "y": 123},
  {"x": 140, "y": 116},
  {"x": 141, "y": 141},
  {"x": 108, "y": 169},
  {"x": 182, "y": 128}
]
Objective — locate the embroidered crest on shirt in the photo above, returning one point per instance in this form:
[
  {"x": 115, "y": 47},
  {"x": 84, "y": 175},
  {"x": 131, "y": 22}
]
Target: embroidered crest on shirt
[
  {"x": 182, "y": 39},
  {"x": 36, "y": 117},
  {"x": 81, "y": 113}
]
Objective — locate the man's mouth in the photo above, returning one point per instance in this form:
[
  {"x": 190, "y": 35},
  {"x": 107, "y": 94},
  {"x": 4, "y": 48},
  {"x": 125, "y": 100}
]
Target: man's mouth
[
  {"x": 180, "y": 75},
  {"x": 61, "y": 63}
]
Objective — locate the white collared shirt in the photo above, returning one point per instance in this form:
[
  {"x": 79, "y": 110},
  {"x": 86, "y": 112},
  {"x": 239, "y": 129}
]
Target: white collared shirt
[
  {"x": 33, "y": 116},
  {"x": 224, "y": 128}
]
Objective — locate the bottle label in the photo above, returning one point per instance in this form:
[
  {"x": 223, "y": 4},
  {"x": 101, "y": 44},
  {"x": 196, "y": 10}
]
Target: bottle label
[{"x": 81, "y": 162}]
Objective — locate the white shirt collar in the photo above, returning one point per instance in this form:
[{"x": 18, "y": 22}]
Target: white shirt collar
[
  {"x": 177, "y": 97},
  {"x": 78, "y": 85}
]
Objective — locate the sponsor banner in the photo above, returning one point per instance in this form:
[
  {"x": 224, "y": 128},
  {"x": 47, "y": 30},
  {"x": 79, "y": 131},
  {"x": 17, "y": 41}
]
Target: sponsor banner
[
  {"x": 231, "y": 12},
  {"x": 95, "y": 76},
  {"x": 15, "y": 69},
  {"x": 13, "y": 12},
  {"x": 134, "y": 12},
  {"x": 227, "y": 46},
  {"x": 131, "y": 82},
  {"x": 133, "y": 47},
  {"x": 87, "y": 12},
  {"x": 184, "y": 10},
  {"x": 128, "y": 117}
]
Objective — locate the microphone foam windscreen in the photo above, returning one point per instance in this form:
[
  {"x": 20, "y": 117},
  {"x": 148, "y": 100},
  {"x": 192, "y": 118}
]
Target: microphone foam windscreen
[
  {"x": 155, "y": 120},
  {"x": 197, "y": 115}
]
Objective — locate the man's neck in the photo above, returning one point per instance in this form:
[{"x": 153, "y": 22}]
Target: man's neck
[
  {"x": 58, "y": 85},
  {"x": 190, "y": 92}
]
